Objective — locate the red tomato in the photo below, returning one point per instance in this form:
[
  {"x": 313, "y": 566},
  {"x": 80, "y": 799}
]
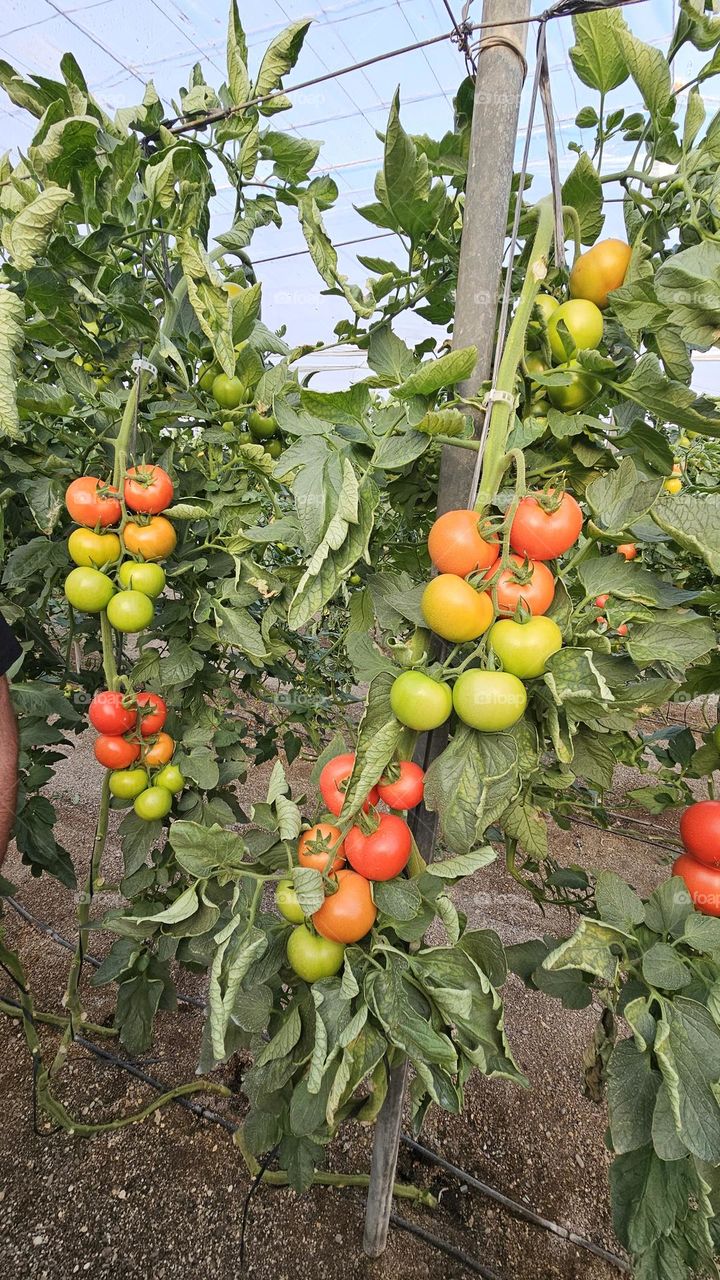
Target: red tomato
[
  {"x": 601, "y": 601},
  {"x": 108, "y": 714},
  {"x": 115, "y": 752},
  {"x": 622, "y": 629},
  {"x": 402, "y": 785},
  {"x": 93, "y": 502},
  {"x": 159, "y": 752},
  {"x": 628, "y": 550},
  {"x": 456, "y": 544},
  {"x": 336, "y": 772},
  {"x": 148, "y": 488},
  {"x": 546, "y": 525},
  {"x": 702, "y": 882},
  {"x": 700, "y": 831},
  {"x": 382, "y": 853},
  {"x": 153, "y": 719},
  {"x": 348, "y": 914},
  {"x": 316, "y": 845},
  {"x": 529, "y": 582}
]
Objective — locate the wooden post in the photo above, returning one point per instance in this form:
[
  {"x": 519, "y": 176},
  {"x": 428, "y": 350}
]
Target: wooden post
[{"x": 496, "y": 107}]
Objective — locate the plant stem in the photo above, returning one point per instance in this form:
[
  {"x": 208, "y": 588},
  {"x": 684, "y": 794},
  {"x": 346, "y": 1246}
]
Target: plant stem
[
  {"x": 500, "y": 412},
  {"x": 403, "y": 1190},
  {"x": 55, "y": 1020}
]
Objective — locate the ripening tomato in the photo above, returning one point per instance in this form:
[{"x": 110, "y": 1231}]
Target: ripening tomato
[
  {"x": 170, "y": 778},
  {"x": 402, "y": 785},
  {"x": 489, "y": 700},
  {"x": 623, "y": 629},
  {"x": 109, "y": 714},
  {"x": 126, "y": 784},
  {"x": 88, "y": 590},
  {"x": 526, "y": 582},
  {"x": 383, "y": 853},
  {"x": 673, "y": 485},
  {"x": 115, "y": 752},
  {"x": 153, "y": 541},
  {"x": 420, "y": 702},
  {"x": 228, "y": 392},
  {"x": 700, "y": 831},
  {"x": 524, "y": 647},
  {"x": 153, "y": 713},
  {"x": 312, "y": 957},
  {"x": 579, "y": 392},
  {"x": 93, "y": 550},
  {"x": 142, "y": 575},
  {"x": 153, "y": 803},
  {"x": 701, "y": 881},
  {"x": 628, "y": 550},
  {"x": 599, "y": 271},
  {"x": 349, "y": 913},
  {"x": 320, "y": 847},
  {"x": 453, "y": 609},
  {"x": 456, "y": 544},
  {"x": 333, "y": 783},
  {"x": 601, "y": 601},
  {"x": 148, "y": 488},
  {"x": 130, "y": 611},
  {"x": 93, "y": 502},
  {"x": 159, "y": 752},
  {"x": 546, "y": 305},
  {"x": 584, "y": 324},
  {"x": 261, "y": 427},
  {"x": 286, "y": 901},
  {"x": 546, "y": 525}
]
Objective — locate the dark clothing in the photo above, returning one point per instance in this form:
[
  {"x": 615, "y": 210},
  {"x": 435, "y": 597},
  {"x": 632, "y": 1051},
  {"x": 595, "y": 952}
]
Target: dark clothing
[{"x": 10, "y": 650}]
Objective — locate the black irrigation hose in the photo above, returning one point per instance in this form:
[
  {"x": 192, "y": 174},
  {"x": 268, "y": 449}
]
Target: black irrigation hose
[
  {"x": 196, "y": 1001},
  {"x": 513, "y": 1205},
  {"x": 450, "y": 1249}
]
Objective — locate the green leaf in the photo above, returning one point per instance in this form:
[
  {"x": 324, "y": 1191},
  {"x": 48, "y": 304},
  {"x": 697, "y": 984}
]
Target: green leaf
[
  {"x": 614, "y": 575},
  {"x": 206, "y": 851},
  {"x": 378, "y": 737},
  {"x": 668, "y": 907},
  {"x": 470, "y": 784},
  {"x": 663, "y": 968},
  {"x": 675, "y": 638},
  {"x": 279, "y": 58},
  {"x": 621, "y": 497},
  {"x": 617, "y": 903},
  {"x": 648, "y": 68},
  {"x": 633, "y": 1084},
  {"x": 667, "y": 399},
  {"x": 308, "y": 884},
  {"x": 238, "y": 78},
  {"x": 596, "y": 57},
  {"x": 687, "y": 1048},
  {"x": 465, "y": 864},
  {"x": 394, "y": 1002},
  {"x": 589, "y": 949},
  {"x": 693, "y": 520},
  {"x": 137, "y": 1003},
  {"x": 12, "y": 319},
  {"x": 405, "y": 182},
  {"x": 25, "y": 238},
  {"x": 524, "y": 822},
  {"x": 389, "y": 357},
  {"x": 687, "y": 284},
  {"x": 292, "y": 157},
  {"x": 324, "y": 255},
  {"x": 344, "y": 543},
  {"x": 435, "y": 375},
  {"x": 702, "y": 933},
  {"x": 582, "y": 189},
  {"x": 398, "y": 899}
]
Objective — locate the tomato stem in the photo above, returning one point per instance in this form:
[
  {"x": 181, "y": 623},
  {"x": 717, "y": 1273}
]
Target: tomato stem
[{"x": 500, "y": 412}]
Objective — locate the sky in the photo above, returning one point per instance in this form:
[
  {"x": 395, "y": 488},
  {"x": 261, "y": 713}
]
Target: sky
[{"x": 122, "y": 44}]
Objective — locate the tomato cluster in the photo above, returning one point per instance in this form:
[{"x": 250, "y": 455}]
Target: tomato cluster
[
  {"x": 234, "y": 392},
  {"x": 377, "y": 846},
  {"x": 480, "y": 590},
  {"x": 113, "y": 526},
  {"x": 132, "y": 743},
  {"x": 699, "y": 866},
  {"x": 576, "y": 324}
]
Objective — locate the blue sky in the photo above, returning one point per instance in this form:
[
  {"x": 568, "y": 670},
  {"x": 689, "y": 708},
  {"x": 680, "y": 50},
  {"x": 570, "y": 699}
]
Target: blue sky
[{"x": 121, "y": 44}]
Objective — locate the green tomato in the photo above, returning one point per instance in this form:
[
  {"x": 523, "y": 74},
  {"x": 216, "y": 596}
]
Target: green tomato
[
  {"x": 546, "y": 305},
  {"x": 130, "y": 611},
  {"x": 313, "y": 957},
  {"x": 142, "y": 576},
  {"x": 524, "y": 647},
  {"x": 170, "y": 778},
  {"x": 244, "y": 437},
  {"x": 534, "y": 363},
  {"x": 576, "y": 394},
  {"x": 208, "y": 374},
  {"x": 89, "y": 590},
  {"x": 261, "y": 427},
  {"x": 584, "y": 324},
  {"x": 419, "y": 701},
  {"x": 274, "y": 448},
  {"x": 286, "y": 901},
  {"x": 153, "y": 803},
  {"x": 489, "y": 700},
  {"x": 126, "y": 784},
  {"x": 229, "y": 392}
]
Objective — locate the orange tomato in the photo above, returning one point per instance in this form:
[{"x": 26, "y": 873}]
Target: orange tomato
[
  {"x": 599, "y": 271},
  {"x": 348, "y": 914},
  {"x": 316, "y": 845},
  {"x": 453, "y": 609},
  {"x": 159, "y": 752},
  {"x": 526, "y": 582},
  {"x": 153, "y": 541},
  {"x": 456, "y": 544}
]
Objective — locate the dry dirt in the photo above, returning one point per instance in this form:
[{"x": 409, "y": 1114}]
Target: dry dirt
[{"x": 165, "y": 1199}]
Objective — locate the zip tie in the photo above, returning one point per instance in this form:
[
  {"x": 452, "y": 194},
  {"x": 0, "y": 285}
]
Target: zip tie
[{"x": 139, "y": 362}]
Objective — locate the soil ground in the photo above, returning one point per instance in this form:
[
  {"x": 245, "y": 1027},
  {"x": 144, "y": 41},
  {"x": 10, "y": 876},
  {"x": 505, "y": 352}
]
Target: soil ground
[{"x": 165, "y": 1199}]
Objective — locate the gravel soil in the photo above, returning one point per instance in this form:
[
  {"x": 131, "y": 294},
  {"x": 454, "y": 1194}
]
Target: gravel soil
[{"x": 165, "y": 1198}]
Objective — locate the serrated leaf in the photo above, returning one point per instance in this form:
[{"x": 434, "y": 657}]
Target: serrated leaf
[
  {"x": 25, "y": 237},
  {"x": 434, "y": 375}
]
